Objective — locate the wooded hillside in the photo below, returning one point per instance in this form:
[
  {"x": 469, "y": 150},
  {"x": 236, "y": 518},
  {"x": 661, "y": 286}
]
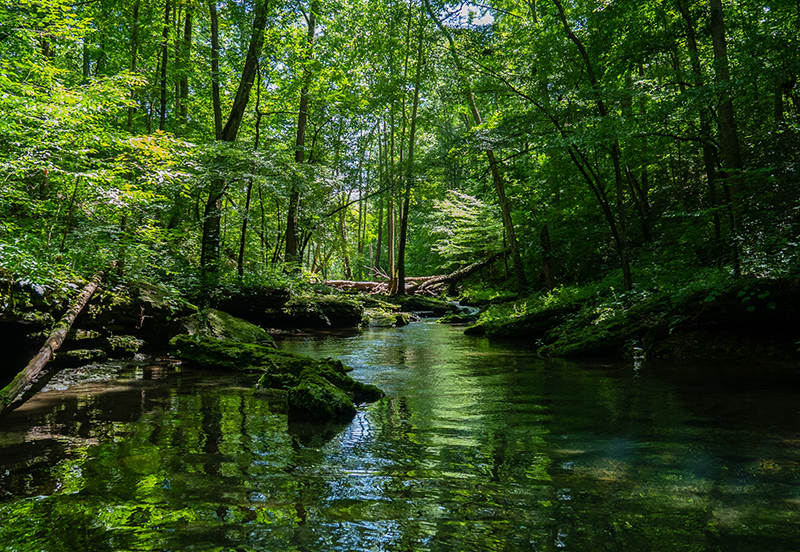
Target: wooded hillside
[{"x": 204, "y": 142}]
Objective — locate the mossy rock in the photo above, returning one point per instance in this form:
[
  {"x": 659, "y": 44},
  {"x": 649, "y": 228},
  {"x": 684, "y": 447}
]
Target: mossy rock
[
  {"x": 458, "y": 318},
  {"x": 279, "y": 310},
  {"x": 425, "y": 305},
  {"x": 148, "y": 311},
  {"x": 380, "y": 318},
  {"x": 78, "y": 357},
  {"x": 319, "y": 389},
  {"x": 225, "y": 327},
  {"x": 315, "y": 396}
]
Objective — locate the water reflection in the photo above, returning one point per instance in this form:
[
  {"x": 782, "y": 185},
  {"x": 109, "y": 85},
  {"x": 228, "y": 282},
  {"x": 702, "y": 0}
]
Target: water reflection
[{"x": 477, "y": 446}]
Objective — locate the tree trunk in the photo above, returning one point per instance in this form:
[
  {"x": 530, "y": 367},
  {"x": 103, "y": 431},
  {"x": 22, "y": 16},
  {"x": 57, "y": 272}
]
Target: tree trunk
[
  {"x": 187, "y": 54},
  {"x": 409, "y": 172},
  {"x": 246, "y": 214},
  {"x": 215, "y": 99},
  {"x": 708, "y": 148},
  {"x": 458, "y": 275},
  {"x": 618, "y": 224},
  {"x": 10, "y": 392},
  {"x": 497, "y": 178},
  {"x": 162, "y": 120},
  {"x": 390, "y": 215},
  {"x": 210, "y": 251},
  {"x": 291, "y": 255},
  {"x": 728, "y": 134},
  {"x": 134, "y": 58},
  {"x": 547, "y": 259}
]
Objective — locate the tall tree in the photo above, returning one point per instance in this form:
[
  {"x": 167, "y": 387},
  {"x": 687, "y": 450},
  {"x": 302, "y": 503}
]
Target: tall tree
[
  {"x": 494, "y": 167},
  {"x": 726, "y": 120},
  {"x": 210, "y": 254},
  {"x": 409, "y": 163},
  {"x": 292, "y": 239}
]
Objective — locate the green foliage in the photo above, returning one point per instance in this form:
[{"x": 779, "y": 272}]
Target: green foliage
[
  {"x": 598, "y": 134},
  {"x": 467, "y": 228}
]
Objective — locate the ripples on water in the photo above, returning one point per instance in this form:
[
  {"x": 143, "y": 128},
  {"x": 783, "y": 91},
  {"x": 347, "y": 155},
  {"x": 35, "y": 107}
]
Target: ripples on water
[{"x": 477, "y": 446}]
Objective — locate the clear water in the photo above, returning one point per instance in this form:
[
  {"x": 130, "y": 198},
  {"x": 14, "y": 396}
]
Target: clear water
[{"x": 478, "y": 446}]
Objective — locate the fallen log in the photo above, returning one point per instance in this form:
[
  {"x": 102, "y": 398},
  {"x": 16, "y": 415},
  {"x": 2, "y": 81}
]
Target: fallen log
[
  {"x": 456, "y": 276},
  {"x": 423, "y": 284},
  {"x": 373, "y": 286},
  {"x": 10, "y": 392}
]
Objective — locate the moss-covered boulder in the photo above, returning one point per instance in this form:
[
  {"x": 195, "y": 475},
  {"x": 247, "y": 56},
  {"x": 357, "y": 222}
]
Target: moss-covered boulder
[
  {"x": 319, "y": 389},
  {"x": 459, "y": 318},
  {"x": 279, "y": 309},
  {"x": 383, "y": 318},
  {"x": 225, "y": 327},
  {"x": 151, "y": 312}
]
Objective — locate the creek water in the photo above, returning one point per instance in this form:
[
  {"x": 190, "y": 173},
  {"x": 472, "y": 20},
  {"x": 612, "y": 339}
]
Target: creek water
[{"x": 478, "y": 446}]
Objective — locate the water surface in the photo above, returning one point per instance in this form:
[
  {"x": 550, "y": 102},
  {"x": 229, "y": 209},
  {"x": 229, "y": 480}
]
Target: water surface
[{"x": 477, "y": 446}]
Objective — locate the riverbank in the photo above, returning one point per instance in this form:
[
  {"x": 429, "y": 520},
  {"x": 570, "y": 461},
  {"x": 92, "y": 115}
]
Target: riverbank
[
  {"x": 138, "y": 320},
  {"x": 743, "y": 319},
  {"x": 722, "y": 319}
]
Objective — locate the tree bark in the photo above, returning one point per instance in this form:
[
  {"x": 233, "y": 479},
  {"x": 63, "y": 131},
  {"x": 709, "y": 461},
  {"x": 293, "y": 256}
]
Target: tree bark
[
  {"x": 457, "y": 275},
  {"x": 183, "y": 110},
  {"x": 209, "y": 260},
  {"x": 134, "y": 58},
  {"x": 726, "y": 121},
  {"x": 708, "y": 148},
  {"x": 619, "y": 225},
  {"x": 291, "y": 254},
  {"x": 215, "y": 99},
  {"x": 409, "y": 172},
  {"x": 162, "y": 117},
  {"x": 547, "y": 259},
  {"x": 497, "y": 178},
  {"x": 10, "y": 392}
]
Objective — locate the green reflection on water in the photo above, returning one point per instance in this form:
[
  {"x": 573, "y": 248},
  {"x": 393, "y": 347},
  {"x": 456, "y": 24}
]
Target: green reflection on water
[{"x": 476, "y": 447}]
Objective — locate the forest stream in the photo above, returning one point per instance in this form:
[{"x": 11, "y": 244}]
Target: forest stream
[{"x": 477, "y": 446}]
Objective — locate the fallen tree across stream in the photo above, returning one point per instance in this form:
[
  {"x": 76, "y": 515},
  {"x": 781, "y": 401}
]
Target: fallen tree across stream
[
  {"x": 10, "y": 392},
  {"x": 425, "y": 284}
]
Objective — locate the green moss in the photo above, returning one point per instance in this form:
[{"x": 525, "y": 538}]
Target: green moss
[
  {"x": 698, "y": 320},
  {"x": 381, "y": 318},
  {"x": 315, "y": 396},
  {"x": 77, "y": 357},
  {"x": 316, "y": 388},
  {"x": 223, "y": 326}
]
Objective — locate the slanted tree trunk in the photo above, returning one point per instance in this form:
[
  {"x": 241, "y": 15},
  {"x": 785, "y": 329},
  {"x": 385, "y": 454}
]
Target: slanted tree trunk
[
  {"x": 210, "y": 251},
  {"x": 618, "y": 224},
  {"x": 10, "y": 392},
  {"x": 456, "y": 276},
  {"x": 497, "y": 178}
]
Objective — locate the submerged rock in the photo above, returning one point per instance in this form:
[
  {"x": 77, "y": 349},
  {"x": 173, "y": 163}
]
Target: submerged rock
[{"x": 319, "y": 389}]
